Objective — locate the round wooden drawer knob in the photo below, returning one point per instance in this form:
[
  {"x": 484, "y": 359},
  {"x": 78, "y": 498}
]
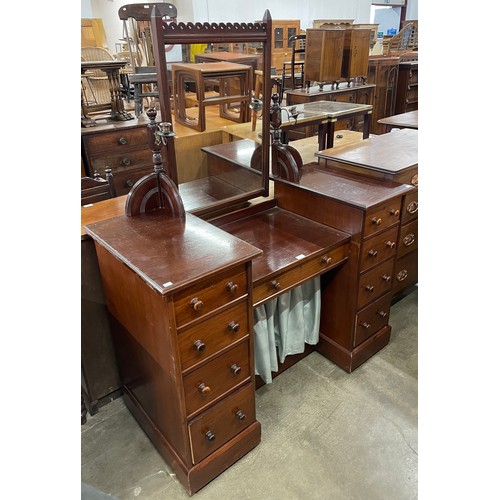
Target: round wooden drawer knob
[
  {"x": 122, "y": 140},
  {"x": 386, "y": 278},
  {"x": 369, "y": 288},
  {"x": 373, "y": 253},
  {"x": 326, "y": 260},
  {"x": 240, "y": 415},
  {"x": 196, "y": 304},
  {"x": 390, "y": 244},
  {"x": 126, "y": 162},
  {"x": 203, "y": 388},
  {"x": 382, "y": 314},
  {"x": 210, "y": 436},
  {"x": 235, "y": 369},
  {"x": 366, "y": 325},
  {"x": 233, "y": 327},
  {"x": 395, "y": 212},
  {"x": 377, "y": 221},
  {"x": 276, "y": 285},
  {"x": 232, "y": 287},
  {"x": 199, "y": 346}
]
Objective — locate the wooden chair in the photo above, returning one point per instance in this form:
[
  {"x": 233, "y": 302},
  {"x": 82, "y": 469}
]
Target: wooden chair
[
  {"x": 98, "y": 189},
  {"x": 293, "y": 71}
]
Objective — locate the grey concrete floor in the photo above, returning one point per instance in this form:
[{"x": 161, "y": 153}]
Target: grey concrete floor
[{"x": 326, "y": 434}]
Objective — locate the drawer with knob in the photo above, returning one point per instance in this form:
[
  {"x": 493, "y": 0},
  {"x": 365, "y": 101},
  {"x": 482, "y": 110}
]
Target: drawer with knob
[
  {"x": 372, "y": 318},
  {"x": 123, "y": 161},
  {"x": 408, "y": 238},
  {"x": 214, "y": 379},
  {"x": 220, "y": 423},
  {"x": 379, "y": 248},
  {"x": 375, "y": 283},
  {"x": 383, "y": 217},
  {"x": 125, "y": 180},
  {"x": 207, "y": 295},
  {"x": 116, "y": 140},
  {"x": 406, "y": 272},
  {"x": 410, "y": 207},
  {"x": 202, "y": 341},
  {"x": 304, "y": 269}
]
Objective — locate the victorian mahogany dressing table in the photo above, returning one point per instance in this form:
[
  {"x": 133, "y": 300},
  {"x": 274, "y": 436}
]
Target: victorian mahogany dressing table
[{"x": 181, "y": 290}]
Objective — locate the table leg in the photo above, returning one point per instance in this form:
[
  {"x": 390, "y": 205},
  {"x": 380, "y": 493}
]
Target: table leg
[{"x": 366, "y": 125}]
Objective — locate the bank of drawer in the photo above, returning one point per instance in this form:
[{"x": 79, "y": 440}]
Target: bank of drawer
[
  {"x": 207, "y": 295},
  {"x": 383, "y": 217},
  {"x": 123, "y": 139},
  {"x": 408, "y": 238},
  {"x": 205, "y": 339},
  {"x": 123, "y": 161},
  {"x": 406, "y": 272},
  {"x": 413, "y": 76},
  {"x": 305, "y": 269},
  {"x": 125, "y": 180},
  {"x": 211, "y": 380},
  {"x": 412, "y": 93},
  {"x": 223, "y": 421},
  {"x": 410, "y": 207},
  {"x": 378, "y": 248},
  {"x": 375, "y": 283},
  {"x": 372, "y": 318}
]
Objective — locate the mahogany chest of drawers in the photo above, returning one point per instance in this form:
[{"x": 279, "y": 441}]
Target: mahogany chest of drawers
[
  {"x": 180, "y": 303},
  {"x": 407, "y": 91},
  {"x": 356, "y": 300},
  {"x": 124, "y": 147}
]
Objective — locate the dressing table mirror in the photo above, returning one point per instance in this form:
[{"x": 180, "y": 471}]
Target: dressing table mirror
[{"x": 228, "y": 169}]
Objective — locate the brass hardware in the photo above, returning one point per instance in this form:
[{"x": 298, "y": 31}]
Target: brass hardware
[
  {"x": 414, "y": 180},
  {"x": 373, "y": 253},
  {"x": 412, "y": 207},
  {"x": 204, "y": 389},
  {"x": 232, "y": 287},
  {"x": 196, "y": 304},
  {"x": 199, "y": 346},
  {"x": 235, "y": 369},
  {"x": 234, "y": 327},
  {"x": 409, "y": 239},
  {"x": 126, "y": 162},
  {"x": 376, "y": 221},
  {"x": 402, "y": 275}
]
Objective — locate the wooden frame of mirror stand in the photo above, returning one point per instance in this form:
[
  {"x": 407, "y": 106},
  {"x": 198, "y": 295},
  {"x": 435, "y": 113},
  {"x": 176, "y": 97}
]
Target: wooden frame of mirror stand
[{"x": 190, "y": 33}]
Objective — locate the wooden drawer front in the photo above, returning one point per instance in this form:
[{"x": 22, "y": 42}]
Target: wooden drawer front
[
  {"x": 375, "y": 283},
  {"x": 413, "y": 76},
  {"x": 112, "y": 141},
  {"x": 304, "y": 270},
  {"x": 213, "y": 379},
  {"x": 220, "y": 423},
  {"x": 205, "y": 339},
  {"x": 123, "y": 161},
  {"x": 125, "y": 180},
  {"x": 406, "y": 273},
  {"x": 344, "y": 97},
  {"x": 408, "y": 238},
  {"x": 213, "y": 292},
  {"x": 383, "y": 217},
  {"x": 378, "y": 248},
  {"x": 410, "y": 207},
  {"x": 372, "y": 318},
  {"x": 412, "y": 94}
]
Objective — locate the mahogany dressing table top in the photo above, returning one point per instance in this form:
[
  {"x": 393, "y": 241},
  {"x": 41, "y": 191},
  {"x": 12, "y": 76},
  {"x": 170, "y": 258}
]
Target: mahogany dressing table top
[
  {"x": 404, "y": 120},
  {"x": 169, "y": 252},
  {"x": 390, "y": 153}
]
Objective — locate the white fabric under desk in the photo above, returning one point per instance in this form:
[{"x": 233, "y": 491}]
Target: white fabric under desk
[{"x": 283, "y": 326}]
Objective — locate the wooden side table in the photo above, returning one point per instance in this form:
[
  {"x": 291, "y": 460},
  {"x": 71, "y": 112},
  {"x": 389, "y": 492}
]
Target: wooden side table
[
  {"x": 403, "y": 120},
  {"x": 224, "y": 73}
]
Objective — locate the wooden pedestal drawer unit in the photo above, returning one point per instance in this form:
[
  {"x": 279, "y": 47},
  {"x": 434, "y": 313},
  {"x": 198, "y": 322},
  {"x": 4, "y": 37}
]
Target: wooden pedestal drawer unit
[
  {"x": 356, "y": 299},
  {"x": 124, "y": 147},
  {"x": 407, "y": 91},
  {"x": 182, "y": 322},
  {"x": 393, "y": 157}
]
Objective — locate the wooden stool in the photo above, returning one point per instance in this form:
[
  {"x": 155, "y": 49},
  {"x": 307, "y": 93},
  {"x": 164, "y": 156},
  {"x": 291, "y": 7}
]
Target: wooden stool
[{"x": 224, "y": 75}]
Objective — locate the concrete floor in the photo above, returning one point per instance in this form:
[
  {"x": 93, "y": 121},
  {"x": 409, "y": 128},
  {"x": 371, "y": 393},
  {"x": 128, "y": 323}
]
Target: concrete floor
[{"x": 326, "y": 434}]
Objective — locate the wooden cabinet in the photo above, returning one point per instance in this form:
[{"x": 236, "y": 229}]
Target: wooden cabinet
[
  {"x": 281, "y": 50},
  {"x": 93, "y": 35},
  {"x": 182, "y": 319},
  {"x": 383, "y": 73},
  {"x": 407, "y": 91},
  {"x": 124, "y": 148},
  {"x": 392, "y": 157},
  {"x": 355, "y": 54},
  {"x": 324, "y": 50},
  {"x": 356, "y": 300}
]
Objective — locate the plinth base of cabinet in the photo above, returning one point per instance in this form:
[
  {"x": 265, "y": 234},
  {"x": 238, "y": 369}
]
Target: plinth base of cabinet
[
  {"x": 195, "y": 477},
  {"x": 349, "y": 360}
]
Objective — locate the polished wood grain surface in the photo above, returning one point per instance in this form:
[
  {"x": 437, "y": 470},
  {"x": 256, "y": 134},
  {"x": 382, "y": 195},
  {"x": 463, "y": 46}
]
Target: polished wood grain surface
[
  {"x": 150, "y": 245},
  {"x": 403, "y": 120}
]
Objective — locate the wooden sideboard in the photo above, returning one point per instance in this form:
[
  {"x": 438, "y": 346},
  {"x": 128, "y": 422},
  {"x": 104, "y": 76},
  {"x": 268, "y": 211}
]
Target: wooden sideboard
[
  {"x": 407, "y": 91},
  {"x": 123, "y": 146}
]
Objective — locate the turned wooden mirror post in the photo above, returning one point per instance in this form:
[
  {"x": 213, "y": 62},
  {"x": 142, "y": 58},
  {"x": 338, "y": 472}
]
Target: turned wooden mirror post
[{"x": 212, "y": 33}]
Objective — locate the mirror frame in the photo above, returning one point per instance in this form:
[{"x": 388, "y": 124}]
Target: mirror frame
[{"x": 173, "y": 33}]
